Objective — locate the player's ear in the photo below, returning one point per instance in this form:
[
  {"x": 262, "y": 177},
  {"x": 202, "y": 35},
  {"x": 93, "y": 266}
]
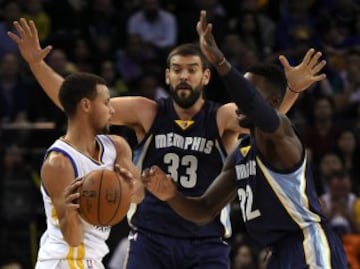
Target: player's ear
[
  {"x": 206, "y": 76},
  {"x": 85, "y": 104},
  {"x": 167, "y": 74}
]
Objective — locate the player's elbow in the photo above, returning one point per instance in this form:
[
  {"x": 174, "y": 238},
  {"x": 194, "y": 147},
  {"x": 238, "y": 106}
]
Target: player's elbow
[{"x": 207, "y": 214}]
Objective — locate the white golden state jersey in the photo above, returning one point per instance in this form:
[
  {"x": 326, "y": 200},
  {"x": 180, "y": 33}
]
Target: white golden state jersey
[{"x": 94, "y": 247}]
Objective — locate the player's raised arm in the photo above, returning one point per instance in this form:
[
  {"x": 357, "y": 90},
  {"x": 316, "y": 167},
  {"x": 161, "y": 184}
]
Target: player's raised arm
[
  {"x": 200, "y": 210},
  {"x": 28, "y": 42},
  {"x": 275, "y": 137},
  {"x": 299, "y": 77}
]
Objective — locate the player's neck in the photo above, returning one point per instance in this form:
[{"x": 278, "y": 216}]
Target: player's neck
[
  {"x": 83, "y": 139},
  {"x": 188, "y": 113}
]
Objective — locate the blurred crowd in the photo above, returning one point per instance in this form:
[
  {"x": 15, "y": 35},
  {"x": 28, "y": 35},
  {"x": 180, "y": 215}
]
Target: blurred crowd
[{"x": 126, "y": 42}]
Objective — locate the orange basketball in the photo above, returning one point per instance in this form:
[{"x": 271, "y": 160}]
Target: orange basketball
[{"x": 104, "y": 198}]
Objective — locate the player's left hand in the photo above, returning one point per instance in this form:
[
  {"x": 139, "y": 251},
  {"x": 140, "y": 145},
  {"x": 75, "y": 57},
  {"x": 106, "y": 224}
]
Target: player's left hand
[
  {"x": 158, "y": 183},
  {"x": 136, "y": 186},
  {"x": 306, "y": 73},
  {"x": 207, "y": 41}
]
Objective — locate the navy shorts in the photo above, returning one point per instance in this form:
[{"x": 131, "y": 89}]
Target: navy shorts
[
  {"x": 290, "y": 254},
  {"x": 154, "y": 251}
]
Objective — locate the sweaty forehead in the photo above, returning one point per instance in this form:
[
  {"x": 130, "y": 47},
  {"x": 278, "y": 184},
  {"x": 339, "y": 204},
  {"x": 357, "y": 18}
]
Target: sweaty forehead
[{"x": 188, "y": 60}]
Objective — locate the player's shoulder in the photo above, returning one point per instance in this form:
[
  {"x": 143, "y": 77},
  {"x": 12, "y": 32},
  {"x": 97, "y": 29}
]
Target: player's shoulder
[
  {"x": 119, "y": 141},
  {"x": 57, "y": 162},
  {"x": 227, "y": 110}
]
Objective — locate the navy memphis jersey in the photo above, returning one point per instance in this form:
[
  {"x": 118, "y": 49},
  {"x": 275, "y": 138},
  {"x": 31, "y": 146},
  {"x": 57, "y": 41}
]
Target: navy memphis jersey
[
  {"x": 193, "y": 154},
  {"x": 275, "y": 204}
]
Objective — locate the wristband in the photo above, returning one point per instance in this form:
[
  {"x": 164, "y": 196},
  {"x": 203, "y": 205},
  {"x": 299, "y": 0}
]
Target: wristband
[
  {"x": 223, "y": 60},
  {"x": 292, "y": 90}
]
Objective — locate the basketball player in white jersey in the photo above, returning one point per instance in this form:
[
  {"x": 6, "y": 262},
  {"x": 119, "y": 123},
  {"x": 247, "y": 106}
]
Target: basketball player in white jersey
[{"x": 70, "y": 242}]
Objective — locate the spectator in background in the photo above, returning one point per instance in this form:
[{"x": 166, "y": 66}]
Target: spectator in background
[
  {"x": 58, "y": 60},
  {"x": 340, "y": 205},
  {"x": 156, "y": 27},
  {"x": 116, "y": 85},
  {"x": 350, "y": 80},
  {"x": 14, "y": 98},
  {"x": 342, "y": 208},
  {"x": 34, "y": 10},
  {"x": 150, "y": 87},
  {"x": 348, "y": 148},
  {"x": 188, "y": 17},
  {"x": 11, "y": 10},
  {"x": 329, "y": 162},
  {"x": 129, "y": 61},
  {"x": 103, "y": 22},
  {"x": 248, "y": 28},
  {"x": 82, "y": 55},
  {"x": 322, "y": 132},
  {"x": 244, "y": 257}
]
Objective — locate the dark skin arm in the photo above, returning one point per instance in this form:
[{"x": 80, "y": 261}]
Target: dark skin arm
[
  {"x": 281, "y": 148},
  {"x": 200, "y": 210}
]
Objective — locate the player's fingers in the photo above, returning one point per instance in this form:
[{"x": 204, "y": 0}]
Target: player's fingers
[
  {"x": 319, "y": 77},
  {"x": 315, "y": 59},
  {"x": 145, "y": 175},
  {"x": 308, "y": 56},
  {"x": 33, "y": 28},
  {"x": 71, "y": 198},
  {"x": 26, "y": 27},
  {"x": 46, "y": 51},
  {"x": 284, "y": 61},
  {"x": 14, "y": 37},
  {"x": 19, "y": 28},
  {"x": 203, "y": 21},
  {"x": 319, "y": 66}
]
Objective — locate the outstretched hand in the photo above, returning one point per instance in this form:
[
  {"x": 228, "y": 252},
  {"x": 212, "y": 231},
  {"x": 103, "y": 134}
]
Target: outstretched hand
[
  {"x": 158, "y": 183},
  {"x": 305, "y": 74},
  {"x": 28, "y": 41},
  {"x": 207, "y": 41}
]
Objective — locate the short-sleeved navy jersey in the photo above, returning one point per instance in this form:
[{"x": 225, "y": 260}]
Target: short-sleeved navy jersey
[
  {"x": 276, "y": 204},
  {"x": 192, "y": 153}
]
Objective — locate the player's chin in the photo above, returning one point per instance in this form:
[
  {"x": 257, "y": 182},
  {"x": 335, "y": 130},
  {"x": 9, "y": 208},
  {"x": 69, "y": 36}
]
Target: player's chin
[{"x": 245, "y": 122}]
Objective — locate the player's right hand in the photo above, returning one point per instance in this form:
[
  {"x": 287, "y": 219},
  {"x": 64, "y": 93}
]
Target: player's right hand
[
  {"x": 135, "y": 184},
  {"x": 207, "y": 41},
  {"x": 72, "y": 194},
  {"x": 158, "y": 183},
  {"x": 28, "y": 42}
]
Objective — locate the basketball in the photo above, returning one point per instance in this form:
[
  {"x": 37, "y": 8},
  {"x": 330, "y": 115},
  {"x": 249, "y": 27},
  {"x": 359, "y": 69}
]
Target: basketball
[{"x": 104, "y": 198}]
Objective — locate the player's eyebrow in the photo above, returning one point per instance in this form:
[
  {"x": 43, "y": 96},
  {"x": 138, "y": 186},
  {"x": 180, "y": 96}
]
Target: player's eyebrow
[{"x": 179, "y": 65}]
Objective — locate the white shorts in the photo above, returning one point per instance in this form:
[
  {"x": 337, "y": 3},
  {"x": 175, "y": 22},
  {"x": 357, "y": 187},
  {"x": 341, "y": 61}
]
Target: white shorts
[{"x": 69, "y": 264}]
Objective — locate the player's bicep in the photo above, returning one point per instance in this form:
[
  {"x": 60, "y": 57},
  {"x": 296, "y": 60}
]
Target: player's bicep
[
  {"x": 133, "y": 112},
  {"x": 56, "y": 174},
  {"x": 283, "y": 147},
  {"x": 124, "y": 155}
]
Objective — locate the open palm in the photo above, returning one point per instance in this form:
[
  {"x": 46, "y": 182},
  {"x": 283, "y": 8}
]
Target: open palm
[
  {"x": 303, "y": 75},
  {"x": 28, "y": 41}
]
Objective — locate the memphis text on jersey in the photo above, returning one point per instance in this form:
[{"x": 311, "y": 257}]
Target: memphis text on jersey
[{"x": 193, "y": 143}]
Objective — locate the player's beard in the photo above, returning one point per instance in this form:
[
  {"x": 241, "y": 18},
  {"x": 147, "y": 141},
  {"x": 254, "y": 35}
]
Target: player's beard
[
  {"x": 246, "y": 123},
  {"x": 188, "y": 101}
]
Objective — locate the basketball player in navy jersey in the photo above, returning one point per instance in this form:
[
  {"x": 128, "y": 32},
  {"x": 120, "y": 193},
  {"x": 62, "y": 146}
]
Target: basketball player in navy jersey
[
  {"x": 186, "y": 136},
  {"x": 268, "y": 171}
]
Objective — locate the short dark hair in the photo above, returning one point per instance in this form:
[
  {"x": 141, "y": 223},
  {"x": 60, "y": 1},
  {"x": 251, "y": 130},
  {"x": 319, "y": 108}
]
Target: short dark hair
[
  {"x": 77, "y": 86},
  {"x": 274, "y": 75},
  {"x": 188, "y": 49}
]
